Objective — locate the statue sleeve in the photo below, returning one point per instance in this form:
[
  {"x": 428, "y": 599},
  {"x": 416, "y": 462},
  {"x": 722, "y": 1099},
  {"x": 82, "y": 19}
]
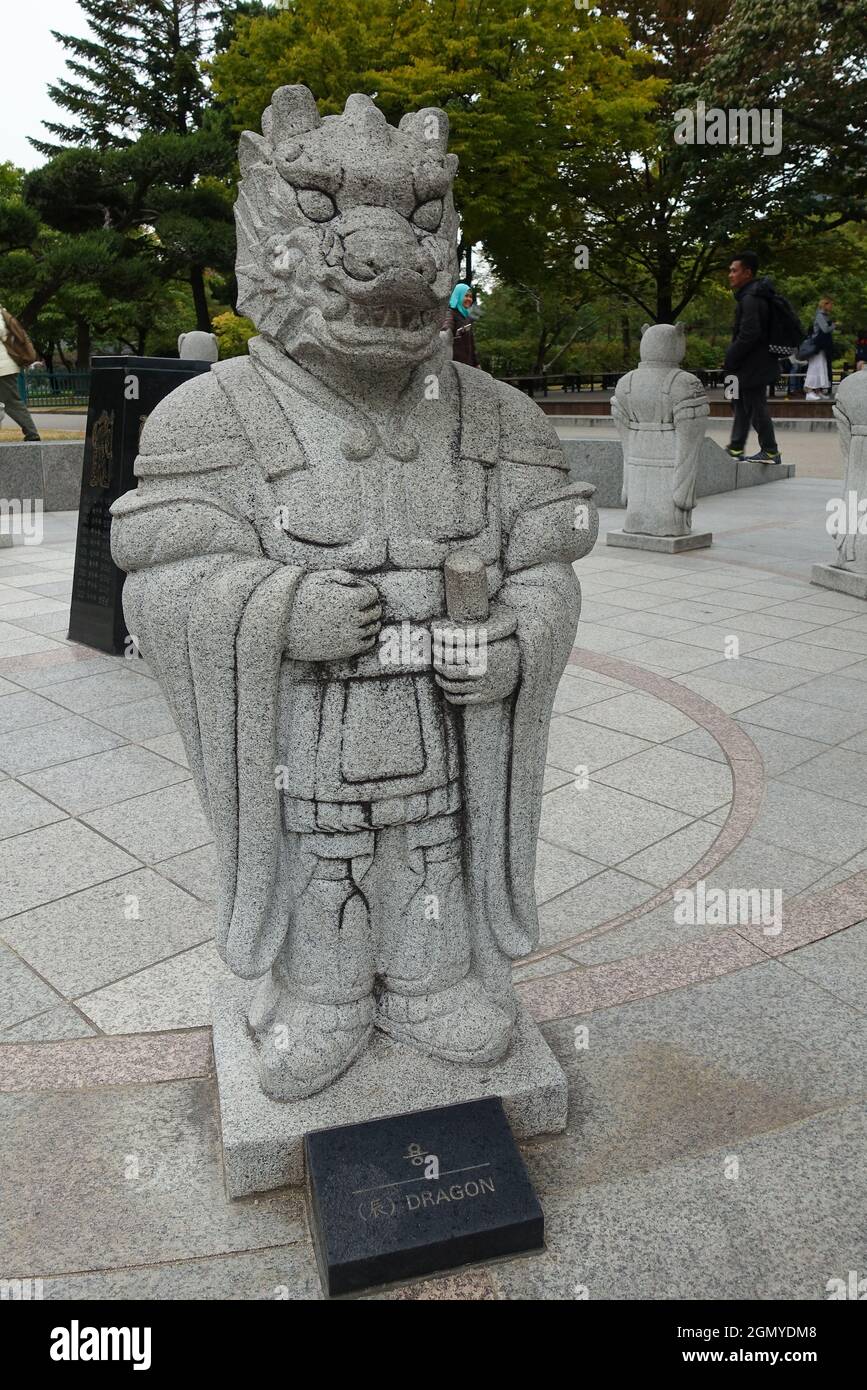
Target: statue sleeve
[
  {"x": 210, "y": 611},
  {"x": 549, "y": 523}
]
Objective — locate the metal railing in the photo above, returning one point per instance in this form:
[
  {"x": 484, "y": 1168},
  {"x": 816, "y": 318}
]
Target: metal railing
[
  {"x": 58, "y": 388},
  {"x": 713, "y": 378}
]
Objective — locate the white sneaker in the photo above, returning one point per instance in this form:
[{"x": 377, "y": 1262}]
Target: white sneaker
[{"x": 813, "y": 396}]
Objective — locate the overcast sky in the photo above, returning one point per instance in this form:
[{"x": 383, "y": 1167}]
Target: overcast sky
[{"x": 31, "y": 59}]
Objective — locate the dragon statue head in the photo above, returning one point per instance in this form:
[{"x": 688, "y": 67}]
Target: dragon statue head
[{"x": 347, "y": 230}]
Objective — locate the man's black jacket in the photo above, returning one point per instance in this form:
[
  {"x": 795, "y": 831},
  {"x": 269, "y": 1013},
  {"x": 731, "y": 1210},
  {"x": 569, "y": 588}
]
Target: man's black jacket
[{"x": 748, "y": 357}]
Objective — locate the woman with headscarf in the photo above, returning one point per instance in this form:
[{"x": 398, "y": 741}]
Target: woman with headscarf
[{"x": 460, "y": 326}]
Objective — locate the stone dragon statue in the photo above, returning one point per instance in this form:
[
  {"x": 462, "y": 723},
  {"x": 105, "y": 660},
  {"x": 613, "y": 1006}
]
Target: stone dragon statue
[{"x": 350, "y": 565}]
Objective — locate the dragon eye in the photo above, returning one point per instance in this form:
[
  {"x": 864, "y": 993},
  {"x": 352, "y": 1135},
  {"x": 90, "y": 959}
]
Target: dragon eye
[
  {"x": 318, "y": 206},
  {"x": 428, "y": 216}
]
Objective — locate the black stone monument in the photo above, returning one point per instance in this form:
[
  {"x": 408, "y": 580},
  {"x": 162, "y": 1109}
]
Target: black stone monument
[
  {"x": 123, "y": 392},
  {"x": 411, "y": 1194}
]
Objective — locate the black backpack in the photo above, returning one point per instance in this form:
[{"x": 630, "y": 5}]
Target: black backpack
[{"x": 785, "y": 333}]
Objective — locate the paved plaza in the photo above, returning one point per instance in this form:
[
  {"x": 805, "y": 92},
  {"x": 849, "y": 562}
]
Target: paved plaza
[{"x": 710, "y": 733}]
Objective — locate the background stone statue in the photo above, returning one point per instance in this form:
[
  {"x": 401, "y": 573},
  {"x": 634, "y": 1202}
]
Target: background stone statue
[
  {"x": 848, "y": 573},
  {"x": 203, "y": 347},
  {"x": 350, "y": 564},
  {"x": 660, "y": 412}
]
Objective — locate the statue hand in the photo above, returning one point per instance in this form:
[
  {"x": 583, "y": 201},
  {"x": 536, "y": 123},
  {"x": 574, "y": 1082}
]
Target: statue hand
[
  {"x": 490, "y": 675},
  {"x": 334, "y": 615}
]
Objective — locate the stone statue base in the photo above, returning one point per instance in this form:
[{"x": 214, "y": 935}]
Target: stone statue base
[
  {"x": 263, "y": 1140},
  {"x": 842, "y": 580},
  {"x": 666, "y": 545}
]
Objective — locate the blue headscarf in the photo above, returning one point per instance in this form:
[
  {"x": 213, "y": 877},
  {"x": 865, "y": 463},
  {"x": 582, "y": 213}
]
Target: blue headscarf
[{"x": 457, "y": 299}]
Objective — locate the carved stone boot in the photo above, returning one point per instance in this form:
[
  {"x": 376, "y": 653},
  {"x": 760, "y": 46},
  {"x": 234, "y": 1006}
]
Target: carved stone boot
[
  {"x": 308, "y": 1044},
  {"x": 458, "y": 1024},
  {"x": 314, "y": 1014}
]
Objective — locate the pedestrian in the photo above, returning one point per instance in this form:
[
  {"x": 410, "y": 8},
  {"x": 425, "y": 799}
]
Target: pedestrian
[
  {"x": 818, "y": 379},
  {"x": 796, "y": 374},
  {"x": 16, "y": 352},
  {"x": 460, "y": 325},
  {"x": 750, "y": 360},
  {"x": 861, "y": 350}
]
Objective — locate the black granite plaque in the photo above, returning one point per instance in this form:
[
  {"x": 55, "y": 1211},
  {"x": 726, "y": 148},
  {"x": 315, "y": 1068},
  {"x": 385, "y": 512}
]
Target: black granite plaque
[
  {"x": 404, "y": 1196},
  {"x": 123, "y": 392}
]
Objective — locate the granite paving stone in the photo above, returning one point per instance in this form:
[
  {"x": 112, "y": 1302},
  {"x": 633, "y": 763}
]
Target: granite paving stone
[
  {"x": 757, "y": 673},
  {"x": 168, "y": 746},
  {"x": 157, "y": 825},
  {"x": 767, "y": 624},
  {"x": 195, "y": 871},
  {"x": 13, "y": 648},
  {"x": 60, "y": 741},
  {"x": 558, "y": 869},
  {"x": 671, "y": 657},
  {"x": 672, "y": 778},
  {"x": 42, "y": 866},
  {"x": 285, "y": 1273},
  {"x": 24, "y": 709},
  {"x": 21, "y": 809},
  {"x": 105, "y": 778},
  {"x": 640, "y": 715},
  {"x": 804, "y": 657},
  {"x": 838, "y": 963},
  {"x": 686, "y": 1231},
  {"x": 22, "y": 993},
  {"x": 669, "y": 859},
  {"x": 649, "y": 624},
  {"x": 574, "y": 691},
  {"x": 834, "y": 638},
  {"x": 818, "y": 722},
  {"x": 780, "y": 751},
  {"x": 835, "y": 772},
  {"x": 40, "y": 675},
  {"x": 726, "y": 695},
  {"x": 92, "y": 938},
  {"x": 554, "y": 777},
  {"x": 805, "y": 821},
  {"x": 654, "y": 932},
  {"x": 573, "y": 743},
  {"x": 597, "y": 900},
  {"x": 92, "y": 694},
  {"x": 117, "y": 1177},
  {"x": 174, "y": 993},
  {"x": 604, "y": 823},
  {"x": 138, "y": 721},
  {"x": 53, "y": 1025}
]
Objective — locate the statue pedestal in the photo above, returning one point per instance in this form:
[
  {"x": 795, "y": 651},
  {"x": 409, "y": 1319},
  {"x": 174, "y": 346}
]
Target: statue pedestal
[
  {"x": 843, "y": 581},
  {"x": 263, "y": 1140},
  {"x": 666, "y": 545}
]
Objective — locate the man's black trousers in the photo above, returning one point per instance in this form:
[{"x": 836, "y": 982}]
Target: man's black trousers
[{"x": 751, "y": 408}]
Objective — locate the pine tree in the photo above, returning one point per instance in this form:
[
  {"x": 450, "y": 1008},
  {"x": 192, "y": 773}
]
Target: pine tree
[
  {"x": 144, "y": 152},
  {"x": 139, "y": 70}
]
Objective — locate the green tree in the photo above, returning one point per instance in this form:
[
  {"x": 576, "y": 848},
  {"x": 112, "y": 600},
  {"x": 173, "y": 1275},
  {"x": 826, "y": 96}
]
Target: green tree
[
  {"x": 143, "y": 151},
  {"x": 514, "y": 80}
]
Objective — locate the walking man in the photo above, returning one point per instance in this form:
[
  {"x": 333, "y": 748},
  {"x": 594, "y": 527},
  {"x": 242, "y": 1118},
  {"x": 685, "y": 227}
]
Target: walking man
[
  {"x": 750, "y": 360},
  {"x": 16, "y": 351}
]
